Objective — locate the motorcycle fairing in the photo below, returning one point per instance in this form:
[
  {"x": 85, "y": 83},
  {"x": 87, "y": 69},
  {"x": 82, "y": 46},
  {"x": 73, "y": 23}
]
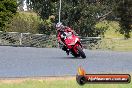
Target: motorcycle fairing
[{"x": 71, "y": 40}]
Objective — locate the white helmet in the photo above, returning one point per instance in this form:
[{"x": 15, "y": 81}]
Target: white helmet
[{"x": 59, "y": 26}]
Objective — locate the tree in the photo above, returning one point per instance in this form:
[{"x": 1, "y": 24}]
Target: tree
[
  {"x": 20, "y": 5},
  {"x": 42, "y": 7},
  {"x": 81, "y": 15},
  {"x": 8, "y": 9},
  {"x": 124, "y": 11}
]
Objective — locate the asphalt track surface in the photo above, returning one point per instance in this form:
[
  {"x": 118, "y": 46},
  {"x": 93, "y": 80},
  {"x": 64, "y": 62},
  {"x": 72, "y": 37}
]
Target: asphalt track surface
[{"x": 29, "y": 62}]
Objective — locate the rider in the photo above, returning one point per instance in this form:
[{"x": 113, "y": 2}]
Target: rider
[{"x": 60, "y": 30}]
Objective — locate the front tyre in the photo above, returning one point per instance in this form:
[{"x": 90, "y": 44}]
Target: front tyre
[{"x": 80, "y": 51}]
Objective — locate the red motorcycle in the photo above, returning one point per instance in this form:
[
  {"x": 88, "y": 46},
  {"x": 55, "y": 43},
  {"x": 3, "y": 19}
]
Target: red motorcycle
[{"x": 73, "y": 43}]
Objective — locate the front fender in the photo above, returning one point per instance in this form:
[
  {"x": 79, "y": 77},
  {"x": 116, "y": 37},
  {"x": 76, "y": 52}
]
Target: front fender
[{"x": 76, "y": 45}]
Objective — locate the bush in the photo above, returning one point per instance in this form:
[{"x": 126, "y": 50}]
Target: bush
[{"x": 25, "y": 22}]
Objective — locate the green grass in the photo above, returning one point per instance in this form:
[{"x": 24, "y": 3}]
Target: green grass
[
  {"x": 112, "y": 39},
  {"x": 59, "y": 84},
  {"x": 116, "y": 45}
]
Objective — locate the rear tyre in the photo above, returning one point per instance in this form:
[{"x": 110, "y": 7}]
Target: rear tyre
[{"x": 82, "y": 54}]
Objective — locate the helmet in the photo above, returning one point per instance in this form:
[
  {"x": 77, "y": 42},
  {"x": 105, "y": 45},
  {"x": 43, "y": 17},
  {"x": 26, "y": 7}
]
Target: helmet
[{"x": 59, "y": 26}]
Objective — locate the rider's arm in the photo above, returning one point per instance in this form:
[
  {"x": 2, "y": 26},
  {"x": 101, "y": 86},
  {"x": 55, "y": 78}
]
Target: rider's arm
[
  {"x": 59, "y": 40},
  {"x": 70, "y": 30}
]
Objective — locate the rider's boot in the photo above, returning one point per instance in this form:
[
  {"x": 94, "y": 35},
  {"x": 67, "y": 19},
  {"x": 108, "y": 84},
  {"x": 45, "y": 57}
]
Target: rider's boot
[{"x": 67, "y": 51}]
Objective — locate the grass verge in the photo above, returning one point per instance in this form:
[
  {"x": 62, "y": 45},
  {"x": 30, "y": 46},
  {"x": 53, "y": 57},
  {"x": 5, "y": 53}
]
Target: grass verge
[
  {"x": 116, "y": 44},
  {"x": 54, "y": 82}
]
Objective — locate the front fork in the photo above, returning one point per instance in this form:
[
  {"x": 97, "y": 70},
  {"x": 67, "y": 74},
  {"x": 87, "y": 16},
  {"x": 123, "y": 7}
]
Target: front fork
[{"x": 75, "y": 47}]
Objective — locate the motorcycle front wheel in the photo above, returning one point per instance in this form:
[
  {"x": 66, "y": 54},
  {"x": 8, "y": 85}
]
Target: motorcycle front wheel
[{"x": 80, "y": 51}]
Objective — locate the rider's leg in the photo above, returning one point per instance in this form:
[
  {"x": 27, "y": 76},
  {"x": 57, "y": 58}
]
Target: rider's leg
[{"x": 65, "y": 49}]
